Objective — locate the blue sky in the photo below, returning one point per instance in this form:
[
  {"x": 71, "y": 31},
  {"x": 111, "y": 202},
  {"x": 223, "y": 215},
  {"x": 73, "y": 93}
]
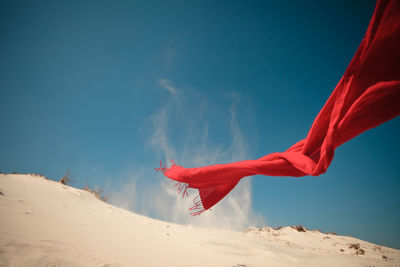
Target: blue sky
[{"x": 86, "y": 85}]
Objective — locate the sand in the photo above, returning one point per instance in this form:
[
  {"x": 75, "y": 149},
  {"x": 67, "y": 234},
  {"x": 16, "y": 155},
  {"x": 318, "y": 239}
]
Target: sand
[{"x": 45, "y": 223}]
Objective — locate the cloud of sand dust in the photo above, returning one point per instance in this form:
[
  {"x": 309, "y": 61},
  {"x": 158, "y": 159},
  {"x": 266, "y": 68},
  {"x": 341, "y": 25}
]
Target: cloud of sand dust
[{"x": 181, "y": 130}]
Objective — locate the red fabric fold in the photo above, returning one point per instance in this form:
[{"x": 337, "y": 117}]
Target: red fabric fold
[{"x": 367, "y": 95}]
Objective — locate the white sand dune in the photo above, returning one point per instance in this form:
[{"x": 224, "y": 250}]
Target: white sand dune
[{"x": 45, "y": 223}]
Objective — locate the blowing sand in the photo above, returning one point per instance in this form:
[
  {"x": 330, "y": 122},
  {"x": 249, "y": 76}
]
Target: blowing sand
[{"x": 45, "y": 223}]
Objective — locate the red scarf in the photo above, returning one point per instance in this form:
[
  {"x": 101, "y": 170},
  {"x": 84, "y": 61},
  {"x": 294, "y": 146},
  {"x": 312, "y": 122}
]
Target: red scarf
[{"x": 367, "y": 95}]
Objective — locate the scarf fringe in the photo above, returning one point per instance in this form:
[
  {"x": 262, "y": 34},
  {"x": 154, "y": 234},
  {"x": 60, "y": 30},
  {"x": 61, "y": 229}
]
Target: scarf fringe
[
  {"x": 182, "y": 188},
  {"x": 198, "y": 206},
  {"x": 162, "y": 168}
]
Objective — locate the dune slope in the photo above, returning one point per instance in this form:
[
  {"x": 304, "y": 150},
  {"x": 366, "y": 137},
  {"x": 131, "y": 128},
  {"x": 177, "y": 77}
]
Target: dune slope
[{"x": 43, "y": 223}]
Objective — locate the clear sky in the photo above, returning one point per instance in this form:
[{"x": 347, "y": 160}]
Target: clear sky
[{"x": 106, "y": 89}]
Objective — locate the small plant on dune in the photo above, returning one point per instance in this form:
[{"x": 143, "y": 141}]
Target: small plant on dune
[
  {"x": 65, "y": 180},
  {"x": 97, "y": 192},
  {"x": 359, "y": 250},
  {"x": 386, "y": 258},
  {"x": 299, "y": 228},
  {"x": 377, "y": 248},
  {"x": 354, "y": 245},
  {"x": 331, "y": 233},
  {"x": 39, "y": 175}
]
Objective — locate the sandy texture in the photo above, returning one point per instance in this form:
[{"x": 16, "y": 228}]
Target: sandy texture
[{"x": 45, "y": 223}]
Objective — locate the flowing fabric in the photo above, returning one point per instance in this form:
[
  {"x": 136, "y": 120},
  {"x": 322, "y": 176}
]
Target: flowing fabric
[{"x": 367, "y": 95}]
